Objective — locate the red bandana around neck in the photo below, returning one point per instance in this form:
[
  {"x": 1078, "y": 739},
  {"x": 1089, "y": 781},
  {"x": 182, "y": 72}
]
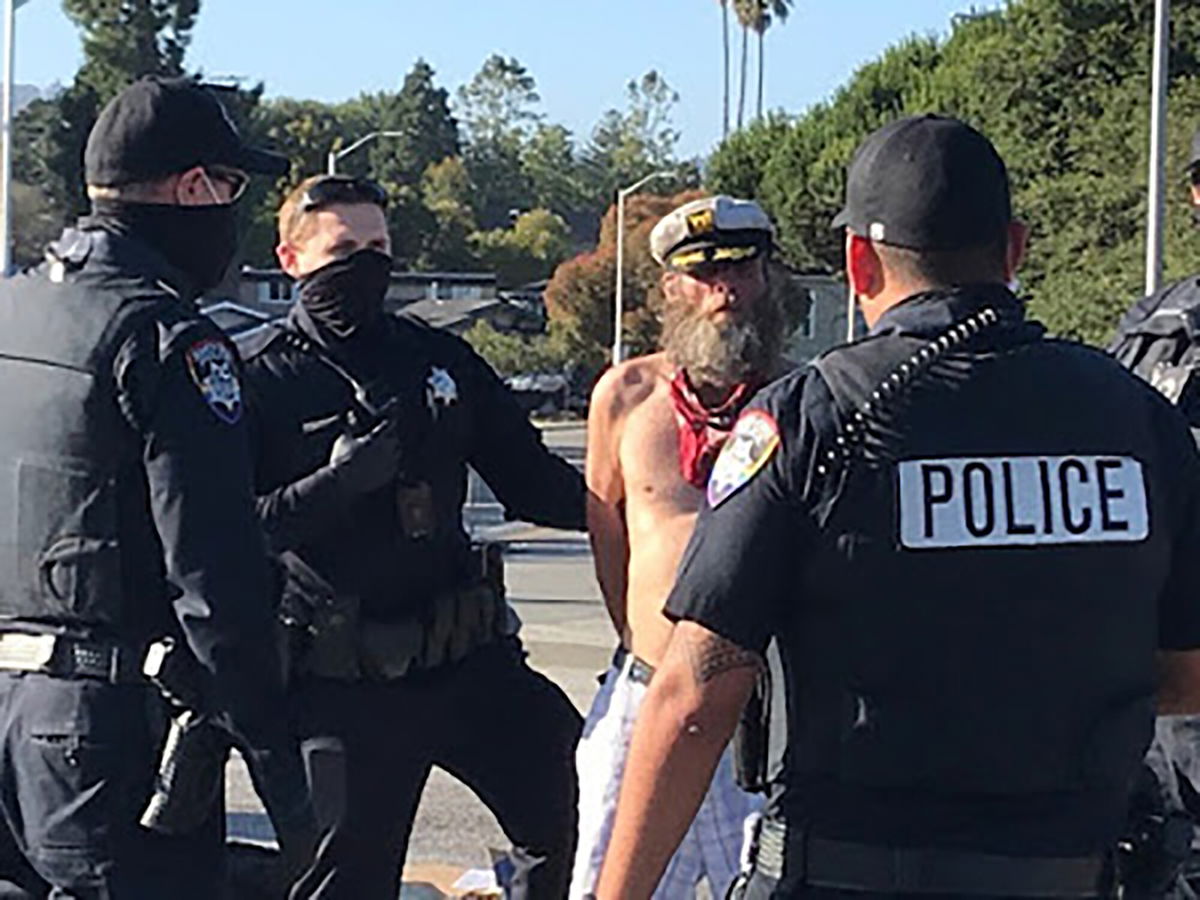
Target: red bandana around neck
[{"x": 702, "y": 431}]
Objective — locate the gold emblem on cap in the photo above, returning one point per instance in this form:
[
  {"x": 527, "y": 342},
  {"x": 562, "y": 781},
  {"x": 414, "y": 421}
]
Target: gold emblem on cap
[{"x": 701, "y": 222}]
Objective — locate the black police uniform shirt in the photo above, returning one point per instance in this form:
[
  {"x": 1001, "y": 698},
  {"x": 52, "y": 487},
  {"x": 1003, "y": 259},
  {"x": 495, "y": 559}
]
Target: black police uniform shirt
[
  {"x": 1020, "y": 542},
  {"x": 453, "y": 411},
  {"x": 112, "y": 379}
]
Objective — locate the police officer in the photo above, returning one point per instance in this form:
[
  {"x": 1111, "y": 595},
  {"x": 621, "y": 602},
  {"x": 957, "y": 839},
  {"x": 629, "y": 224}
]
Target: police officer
[
  {"x": 972, "y": 544},
  {"x": 1159, "y": 337},
  {"x": 366, "y": 423},
  {"x": 1159, "y": 340},
  {"x": 129, "y": 511}
]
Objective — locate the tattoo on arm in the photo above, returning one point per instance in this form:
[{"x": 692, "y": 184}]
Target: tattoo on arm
[{"x": 711, "y": 655}]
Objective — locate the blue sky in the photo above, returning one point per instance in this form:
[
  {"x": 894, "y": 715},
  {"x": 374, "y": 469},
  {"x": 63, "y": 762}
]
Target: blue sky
[{"x": 582, "y": 53}]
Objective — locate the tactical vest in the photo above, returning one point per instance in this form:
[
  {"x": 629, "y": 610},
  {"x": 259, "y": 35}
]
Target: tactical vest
[
  {"x": 71, "y": 481},
  {"x": 1003, "y": 662},
  {"x": 1159, "y": 340}
]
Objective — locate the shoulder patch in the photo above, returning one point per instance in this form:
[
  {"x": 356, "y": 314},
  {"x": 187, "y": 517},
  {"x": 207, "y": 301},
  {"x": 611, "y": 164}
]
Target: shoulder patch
[
  {"x": 753, "y": 442},
  {"x": 210, "y": 363},
  {"x": 440, "y": 388}
]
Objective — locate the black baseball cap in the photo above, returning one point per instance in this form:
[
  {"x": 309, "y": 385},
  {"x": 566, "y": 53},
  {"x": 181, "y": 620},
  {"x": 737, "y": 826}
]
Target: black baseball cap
[
  {"x": 928, "y": 183},
  {"x": 163, "y": 126}
]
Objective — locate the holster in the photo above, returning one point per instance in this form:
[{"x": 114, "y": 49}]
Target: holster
[
  {"x": 1154, "y": 855},
  {"x": 342, "y": 645},
  {"x": 190, "y": 777},
  {"x": 320, "y": 625},
  {"x": 333, "y": 650},
  {"x": 752, "y": 738}
]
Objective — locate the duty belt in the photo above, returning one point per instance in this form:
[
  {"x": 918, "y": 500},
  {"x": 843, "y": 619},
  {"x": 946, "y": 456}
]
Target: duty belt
[
  {"x": 68, "y": 657},
  {"x": 824, "y": 863},
  {"x": 640, "y": 671}
]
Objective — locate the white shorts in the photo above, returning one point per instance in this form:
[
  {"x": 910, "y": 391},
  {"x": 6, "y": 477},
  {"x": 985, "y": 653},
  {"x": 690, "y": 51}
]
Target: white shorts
[{"x": 711, "y": 848}]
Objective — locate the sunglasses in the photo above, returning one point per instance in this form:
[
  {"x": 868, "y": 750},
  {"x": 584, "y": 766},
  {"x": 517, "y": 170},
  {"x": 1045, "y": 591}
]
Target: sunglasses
[
  {"x": 236, "y": 179},
  {"x": 334, "y": 189}
]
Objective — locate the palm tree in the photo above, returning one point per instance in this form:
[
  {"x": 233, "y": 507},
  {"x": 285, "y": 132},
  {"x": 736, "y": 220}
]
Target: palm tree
[
  {"x": 768, "y": 12},
  {"x": 725, "y": 43},
  {"x": 747, "y": 12}
]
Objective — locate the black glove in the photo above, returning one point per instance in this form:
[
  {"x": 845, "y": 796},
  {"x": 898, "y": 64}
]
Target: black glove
[{"x": 364, "y": 464}]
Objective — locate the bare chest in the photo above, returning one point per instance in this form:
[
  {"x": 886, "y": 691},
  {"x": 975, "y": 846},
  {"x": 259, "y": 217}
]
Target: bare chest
[{"x": 649, "y": 455}]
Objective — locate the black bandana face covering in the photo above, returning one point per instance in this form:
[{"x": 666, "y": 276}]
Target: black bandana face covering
[
  {"x": 346, "y": 296},
  {"x": 199, "y": 241}
]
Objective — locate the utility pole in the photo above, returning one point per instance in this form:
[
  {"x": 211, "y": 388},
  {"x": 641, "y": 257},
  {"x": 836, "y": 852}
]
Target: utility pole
[{"x": 1156, "y": 202}]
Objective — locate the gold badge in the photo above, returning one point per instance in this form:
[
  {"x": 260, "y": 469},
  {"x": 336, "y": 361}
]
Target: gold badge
[{"x": 701, "y": 222}]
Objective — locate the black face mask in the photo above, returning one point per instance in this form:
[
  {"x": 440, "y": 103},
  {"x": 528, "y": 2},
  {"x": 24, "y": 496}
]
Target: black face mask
[
  {"x": 346, "y": 296},
  {"x": 199, "y": 241}
]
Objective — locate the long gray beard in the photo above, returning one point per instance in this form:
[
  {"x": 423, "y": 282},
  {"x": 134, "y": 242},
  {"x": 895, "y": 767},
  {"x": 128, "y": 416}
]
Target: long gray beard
[{"x": 726, "y": 353}]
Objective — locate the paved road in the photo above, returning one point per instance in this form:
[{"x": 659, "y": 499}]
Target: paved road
[{"x": 568, "y": 636}]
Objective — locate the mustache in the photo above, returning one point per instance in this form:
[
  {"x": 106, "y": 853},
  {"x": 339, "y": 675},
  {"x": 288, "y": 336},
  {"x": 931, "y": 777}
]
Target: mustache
[{"x": 724, "y": 352}]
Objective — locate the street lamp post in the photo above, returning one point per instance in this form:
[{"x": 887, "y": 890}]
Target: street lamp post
[
  {"x": 335, "y": 155},
  {"x": 1156, "y": 202},
  {"x": 619, "y": 302},
  {"x": 6, "y": 135}
]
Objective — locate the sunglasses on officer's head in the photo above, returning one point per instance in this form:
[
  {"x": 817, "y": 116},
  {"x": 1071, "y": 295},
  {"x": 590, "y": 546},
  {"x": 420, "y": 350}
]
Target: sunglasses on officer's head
[{"x": 334, "y": 189}]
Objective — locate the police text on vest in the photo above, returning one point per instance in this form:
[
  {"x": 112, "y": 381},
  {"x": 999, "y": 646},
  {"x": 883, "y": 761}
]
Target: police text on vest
[{"x": 1021, "y": 501}]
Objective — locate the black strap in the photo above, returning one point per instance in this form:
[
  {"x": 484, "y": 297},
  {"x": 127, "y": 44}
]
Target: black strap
[
  {"x": 305, "y": 344},
  {"x": 78, "y": 658},
  {"x": 850, "y": 866}
]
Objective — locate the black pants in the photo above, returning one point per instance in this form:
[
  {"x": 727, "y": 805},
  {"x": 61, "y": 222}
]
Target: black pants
[
  {"x": 760, "y": 887},
  {"x": 77, "y": 759},
  {"x": 504, "y": 730}
]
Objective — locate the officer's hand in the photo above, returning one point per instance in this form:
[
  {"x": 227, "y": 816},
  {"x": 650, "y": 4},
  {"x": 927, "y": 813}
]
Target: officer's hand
[{"x": 367, "y": 463}]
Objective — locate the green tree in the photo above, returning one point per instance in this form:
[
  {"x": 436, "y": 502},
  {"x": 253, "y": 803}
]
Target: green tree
[
  {"x": 121, "y": 43},
  {"x": 425, "y": 130},
  {"x": 529, "y": 251},
  {"x": 503, "y": 187},
  {"x": 34, "y": 224},
  {"x": 447, "y": 192},
  {"x": 426, "y": 133},
  {"x": 499, "y": 110},
  {"x": 124, "y": 41},
  {"x": 1060, "y": 87},
  {"x": 513, "y": 354},
  {"x": 767, "y": 13},
  {"x": 746, "y": 12},
  {"x": 302, "y": 130},
  {"x": 499, "y": 105},
  {"x": 724, "y": 67},
  {"x": 628, "y": 144},
  {"x": 740, "y": 164},
  {"x": 555, "y": 178}
]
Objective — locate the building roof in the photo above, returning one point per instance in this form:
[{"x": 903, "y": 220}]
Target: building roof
[{"x": 449, "y": 313}]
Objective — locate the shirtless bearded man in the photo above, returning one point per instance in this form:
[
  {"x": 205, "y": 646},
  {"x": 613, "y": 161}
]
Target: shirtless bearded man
[{"x": 654, "y": 430}]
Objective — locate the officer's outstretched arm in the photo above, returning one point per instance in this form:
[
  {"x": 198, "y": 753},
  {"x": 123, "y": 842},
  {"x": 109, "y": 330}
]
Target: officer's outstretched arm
[
  {"x": 508, "y": 452},
  {"x": 688, "y": 716},
  {"x": 1179, "y": 682}
]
